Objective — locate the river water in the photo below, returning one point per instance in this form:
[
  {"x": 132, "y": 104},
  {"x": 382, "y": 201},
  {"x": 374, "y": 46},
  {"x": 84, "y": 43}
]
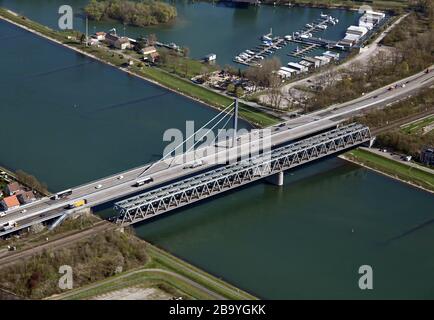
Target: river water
[
  {"x": 68, "y": 120},
  {"x": 204, "y": 27}
]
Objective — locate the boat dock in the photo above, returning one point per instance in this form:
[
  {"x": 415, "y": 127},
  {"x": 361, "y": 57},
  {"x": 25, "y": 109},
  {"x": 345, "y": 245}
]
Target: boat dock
[
  {"x": 301, "y": 52},
  {"x": 260, "y": 52}
]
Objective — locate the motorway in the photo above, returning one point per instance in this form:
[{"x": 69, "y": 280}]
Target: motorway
[{"x": 122, "y": 184}]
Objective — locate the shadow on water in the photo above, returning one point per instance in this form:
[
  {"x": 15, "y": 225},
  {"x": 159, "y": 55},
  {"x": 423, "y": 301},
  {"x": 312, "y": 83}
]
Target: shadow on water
[
  {"x": 129, "y": 103},
  {"x": 46, "y": 73},
  {"x": 408, "y": 232}
]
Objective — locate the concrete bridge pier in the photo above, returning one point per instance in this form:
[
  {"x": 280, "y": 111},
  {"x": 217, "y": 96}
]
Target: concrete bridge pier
[{"x": 276, "y": 179}]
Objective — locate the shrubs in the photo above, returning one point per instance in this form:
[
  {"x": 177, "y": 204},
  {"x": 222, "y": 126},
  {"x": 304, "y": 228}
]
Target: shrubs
[{"x": 91, "y": 260}]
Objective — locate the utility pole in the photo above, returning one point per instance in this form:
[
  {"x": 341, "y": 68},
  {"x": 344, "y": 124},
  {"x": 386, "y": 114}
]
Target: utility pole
[
  {"x": 87, "y": 31},
  {"x": 235, "y": 122}
]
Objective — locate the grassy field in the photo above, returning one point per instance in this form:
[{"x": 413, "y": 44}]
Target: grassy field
[
  {"x": 393, "y": 168},
  {"x": 417, "y": 126},
  {"x": 376, "y": 4},
  {"x": 165, "y": 272}
]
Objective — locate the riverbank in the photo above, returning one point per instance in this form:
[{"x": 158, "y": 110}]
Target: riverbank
[
  {"x": 391, "y": 168},
  {"x": 124, "y": 262},
  {"x": 164, "y": 272},
  {"x": 151, "y": 74}
]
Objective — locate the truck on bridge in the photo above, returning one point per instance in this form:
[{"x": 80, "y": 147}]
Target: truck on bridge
[{"x": 77, "y": 204}]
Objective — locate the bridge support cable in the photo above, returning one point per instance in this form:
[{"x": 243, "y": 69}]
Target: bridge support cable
[
  {"x": 234, "y": 138},
  {"x": 216, "y": 181},
  {"x": 187, "y": 139},
  {"x": 206, "y": 133}
]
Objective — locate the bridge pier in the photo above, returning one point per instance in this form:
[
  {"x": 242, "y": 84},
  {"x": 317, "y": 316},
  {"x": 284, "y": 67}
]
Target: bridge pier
[{"x": 276, "y": 179}]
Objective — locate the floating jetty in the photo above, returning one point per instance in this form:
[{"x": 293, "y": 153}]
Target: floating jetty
[
  {"x": 304, "y": 39},
  {"x": 268, "y": 46}
]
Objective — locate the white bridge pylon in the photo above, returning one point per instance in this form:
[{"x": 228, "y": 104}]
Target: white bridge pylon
[{"x": 231, "y": 111}]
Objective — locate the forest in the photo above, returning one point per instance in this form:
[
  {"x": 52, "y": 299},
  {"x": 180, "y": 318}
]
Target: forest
[{"x": 136, "y": 13}]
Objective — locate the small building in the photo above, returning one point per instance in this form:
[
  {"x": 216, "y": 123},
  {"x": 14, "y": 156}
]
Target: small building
[
  {"x": 111, "y": 38},
  {"x": 13, "y": 188},
  {"x": 122, "y": 43},
  {"x": 148, "y": 50},
  {"x": 323, "y": 60},
  {"x": 154, "y": 56},
  {"x": 427, "y": 156},
  {"x": 26, "y": 197},
  {"x": 307, "y": 64},
  {"x": 284, "y": 74},
  {"x": 315, "y": 62},
  {"x": 210, "y": 57},
  {"x": 332, "y": 55},
  {"x": 100, "y": 36},
  {"x": 290, "y": 70},
  {"x": 297, "y": 66},
  {"x": 9, "y": 203}
]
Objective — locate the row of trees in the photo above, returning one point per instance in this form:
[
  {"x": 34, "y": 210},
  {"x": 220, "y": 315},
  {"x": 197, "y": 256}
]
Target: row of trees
[{"x": 137, "y": 13}]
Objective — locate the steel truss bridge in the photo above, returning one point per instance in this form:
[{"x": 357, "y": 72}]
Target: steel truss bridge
[{"x": 275, "y": 162}]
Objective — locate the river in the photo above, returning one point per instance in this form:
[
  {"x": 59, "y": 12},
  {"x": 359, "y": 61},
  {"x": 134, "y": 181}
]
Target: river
[{"x": 68, "y": 119}]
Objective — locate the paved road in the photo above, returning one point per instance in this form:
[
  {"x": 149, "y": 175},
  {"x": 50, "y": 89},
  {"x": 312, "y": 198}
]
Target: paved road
[{"x": 113, "y": 187}]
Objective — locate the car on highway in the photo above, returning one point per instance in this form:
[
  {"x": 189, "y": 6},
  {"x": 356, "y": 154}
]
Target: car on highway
[
  {"x": 427, "y": 70},
  {"x": 120, "y": 177},
  {"x": 23, "y": 211},
  {"x": 375, "y": 97},
  {"x": 2, "y": 214},
  {"x": 99, "y": 186},
  {"x": 194, "y": 164}
]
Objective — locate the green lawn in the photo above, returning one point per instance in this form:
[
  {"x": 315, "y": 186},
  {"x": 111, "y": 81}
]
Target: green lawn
[
  {"x": 148, "y": 277},
  {"x": 393, "y": 168},
  {"x": 416, "y": 127}
]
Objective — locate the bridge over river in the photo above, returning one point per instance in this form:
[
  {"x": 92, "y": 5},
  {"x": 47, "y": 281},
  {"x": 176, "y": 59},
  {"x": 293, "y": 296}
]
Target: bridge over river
[{"x": 254, "y": 155}]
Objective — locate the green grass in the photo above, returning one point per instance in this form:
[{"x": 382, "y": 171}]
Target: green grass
[
  {"x": 145, "y": 278},
  {"x": 385, "y": 4},
  {"x": 417, "y": 126},
  {"x": 181, "y": 267},
  {"x": 393, "y": 168}
]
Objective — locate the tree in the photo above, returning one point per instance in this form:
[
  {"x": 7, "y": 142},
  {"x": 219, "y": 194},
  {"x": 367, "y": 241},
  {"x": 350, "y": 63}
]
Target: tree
[
  {"x": 239, "y": 92},
  {"x": 152, "y": 39},
  {"x": 230, "y": 88},
  {"x": 185, "y": 52}
]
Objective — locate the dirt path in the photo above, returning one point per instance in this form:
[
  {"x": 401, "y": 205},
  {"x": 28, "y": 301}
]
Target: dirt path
[{"x": 144, "y": 271}]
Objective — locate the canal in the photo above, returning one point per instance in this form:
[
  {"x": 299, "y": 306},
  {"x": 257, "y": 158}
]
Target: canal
[
  {"x": 205, "y": 27},
  {"x": 68, "y": 119}
]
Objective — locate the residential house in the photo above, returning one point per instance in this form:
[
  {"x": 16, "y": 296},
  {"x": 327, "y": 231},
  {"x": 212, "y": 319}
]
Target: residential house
[
  {"x": 100, "y": 36},
  {"x": 154, "y": 56},
  {"x": 111, "y": 38},
  {"x": 13, "y": 188},
  {"x": 122, "y": 43},
  {"x": 26, "y": 197},
  {"x": 10, "y": 202},
  {"x": 148, "y": 50}
]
